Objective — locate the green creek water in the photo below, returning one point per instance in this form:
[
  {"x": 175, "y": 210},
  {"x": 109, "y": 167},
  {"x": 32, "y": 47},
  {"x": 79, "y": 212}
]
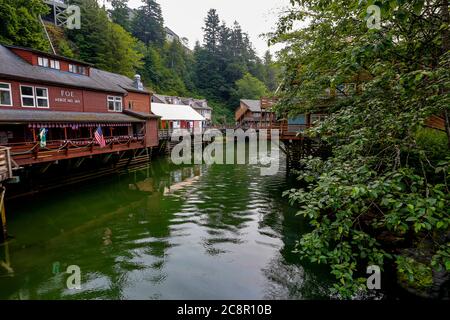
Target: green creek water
[{"x": 162, "y": 232}]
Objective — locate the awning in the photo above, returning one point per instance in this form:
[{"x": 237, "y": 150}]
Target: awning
[
  {"x": 175, "y": 112},
  {"x": 58, "y": 117}
]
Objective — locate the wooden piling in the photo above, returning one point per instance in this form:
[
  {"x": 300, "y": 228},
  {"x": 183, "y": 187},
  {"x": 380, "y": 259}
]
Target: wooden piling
[{"x": 4, "y": 234}]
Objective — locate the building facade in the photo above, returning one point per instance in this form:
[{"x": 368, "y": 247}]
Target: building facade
[
  {"x": 253, "y": 114},
  {"x": 199, "y": 105},
  {"x": 51, "y": 108}
]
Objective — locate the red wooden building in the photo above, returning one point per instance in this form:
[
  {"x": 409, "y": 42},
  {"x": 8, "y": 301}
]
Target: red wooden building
[{"x": 71, "y": 100}]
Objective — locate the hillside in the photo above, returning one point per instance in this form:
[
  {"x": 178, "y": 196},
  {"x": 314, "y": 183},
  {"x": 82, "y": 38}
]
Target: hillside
[{"x": 118, "y": 41}]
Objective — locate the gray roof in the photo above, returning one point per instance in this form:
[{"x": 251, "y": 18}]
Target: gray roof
[
  {"x": 198, "y": 104},
  {"x": 141, "y": 115},
  {"x": 26, "y": 116},
  {"x": 171, "y": 32},
  {"x": 12, "y": 66},
  {"x": 194, "y": 103},
  {"x": 253, "y": 105}
]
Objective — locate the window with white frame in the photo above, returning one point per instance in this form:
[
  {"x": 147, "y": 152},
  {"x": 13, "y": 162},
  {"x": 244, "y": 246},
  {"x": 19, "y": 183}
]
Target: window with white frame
[
  {"x": 114, "y": 104},
  {"x": 49, "y": 63},
  {"x": 41, "y": 97},
  {"x": 5, "y": 95},
  {"x": 34, "y": 97},
  {"x": 27, "y": 96},
  {"x": 54, "y": 64},
  {"x": 77, "y": 69},
  {"x": 43, "y": 62}
]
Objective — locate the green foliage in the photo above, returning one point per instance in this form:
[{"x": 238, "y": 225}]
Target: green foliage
[
  {"x": 225, "y": 58},
  {"x": 103, "y": 43},
  {"x": 20, "y": 25},
  {"x": 417, "y": 275},
  {"x": 386, "y": 183},
  {"x": 60, "y": 43},
  {"x": 211, "y": 71},
  {"x": 271, "y": 73},
  {"x": 250, "y": 87},
  {"x": 148, "y": 23},
  {"x": 433, "y": 142},
  {"x": 120, "y": 14}
]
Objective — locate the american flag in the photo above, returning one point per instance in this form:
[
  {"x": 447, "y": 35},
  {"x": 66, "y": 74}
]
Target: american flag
[{"x": 99, "y": 137}]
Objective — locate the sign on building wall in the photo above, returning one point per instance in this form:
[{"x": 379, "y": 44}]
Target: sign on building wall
[{"x": 68, "y": 96}]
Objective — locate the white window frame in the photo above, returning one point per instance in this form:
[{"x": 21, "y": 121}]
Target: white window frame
[
  {"x": 41, "y": 62},
  {"x": 27, "y": 96},
  {"x": 42, "y": 98},
  {"x": 35, "y": 97},
  {"x": 77, "y": 69},
  {"x": 56, "y": 64},
  {"x": 10, "y": 94},
  {"x": 114, "y": 100}
]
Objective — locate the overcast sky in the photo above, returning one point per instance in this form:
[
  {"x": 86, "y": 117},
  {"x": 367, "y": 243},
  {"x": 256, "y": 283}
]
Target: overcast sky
[{"x": 186, "y": 17}]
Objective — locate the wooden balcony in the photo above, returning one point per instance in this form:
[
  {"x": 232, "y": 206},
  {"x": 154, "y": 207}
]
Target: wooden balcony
[{"x": 27, "y": 153}]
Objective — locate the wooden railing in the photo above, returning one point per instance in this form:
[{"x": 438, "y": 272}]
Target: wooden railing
[
  {"x": 167, "y": 133},
  {"x": 31, "y": 152}
]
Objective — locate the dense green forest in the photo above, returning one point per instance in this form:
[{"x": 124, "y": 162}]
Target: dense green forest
[
  {"x": 382, "y": 197},
  {"x": 223, "y": 69}
]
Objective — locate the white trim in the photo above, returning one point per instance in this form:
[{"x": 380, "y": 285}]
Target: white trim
[
  {"x": 10, "y": 94},
  {"x": 42, "y": 98},
  {"x": 27, "y": 96},
  {"x": 114, "y": 100},
  {"x": 56, "y": 64},
  {"x": 41, "y": 62}
]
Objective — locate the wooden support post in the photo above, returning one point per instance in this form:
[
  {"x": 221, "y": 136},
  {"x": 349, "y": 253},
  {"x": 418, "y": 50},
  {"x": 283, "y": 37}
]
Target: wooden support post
[
  {"x": 4, "y": 233},
  {"x": 34, "y": 134}
]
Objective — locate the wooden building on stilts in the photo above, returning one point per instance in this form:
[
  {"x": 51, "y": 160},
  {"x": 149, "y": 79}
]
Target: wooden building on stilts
[{"x": 59, "y": 115}]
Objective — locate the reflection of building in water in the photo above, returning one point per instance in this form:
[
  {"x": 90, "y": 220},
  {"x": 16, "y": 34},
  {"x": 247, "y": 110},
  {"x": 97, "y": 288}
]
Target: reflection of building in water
[
  {"x": 5, "y": 262},
  {"x": 176, "y": 180},
  {"x": 181, "y": 185}
]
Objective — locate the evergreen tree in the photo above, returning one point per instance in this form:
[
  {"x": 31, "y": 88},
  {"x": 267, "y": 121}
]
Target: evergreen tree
[
  {"x": 226, "y": 57},
  {"x": 103, "y": 43},
  {"x": 211, "y": 31},
  {"x": 148, "y": 24},
  {"x": 270, "y": 72}
]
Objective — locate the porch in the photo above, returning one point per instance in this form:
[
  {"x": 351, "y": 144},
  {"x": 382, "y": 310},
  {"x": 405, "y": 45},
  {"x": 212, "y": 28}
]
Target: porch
[{"x": 67, "y": 134}]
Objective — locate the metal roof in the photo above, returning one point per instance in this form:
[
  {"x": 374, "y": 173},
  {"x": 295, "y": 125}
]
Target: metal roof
[
  {"x": 14, "y": 67},
  {"x": 195, "y": 103},
  {"x": 140, "y": 115},
  {"x": 176, "y": 112},
  {"x": 30, "y": 116},
  {"x": 253, "y": 105}
]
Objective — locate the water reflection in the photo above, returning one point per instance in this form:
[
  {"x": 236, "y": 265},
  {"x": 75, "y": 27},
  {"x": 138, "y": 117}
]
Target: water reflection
[{"x": 163, "y": 232}]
